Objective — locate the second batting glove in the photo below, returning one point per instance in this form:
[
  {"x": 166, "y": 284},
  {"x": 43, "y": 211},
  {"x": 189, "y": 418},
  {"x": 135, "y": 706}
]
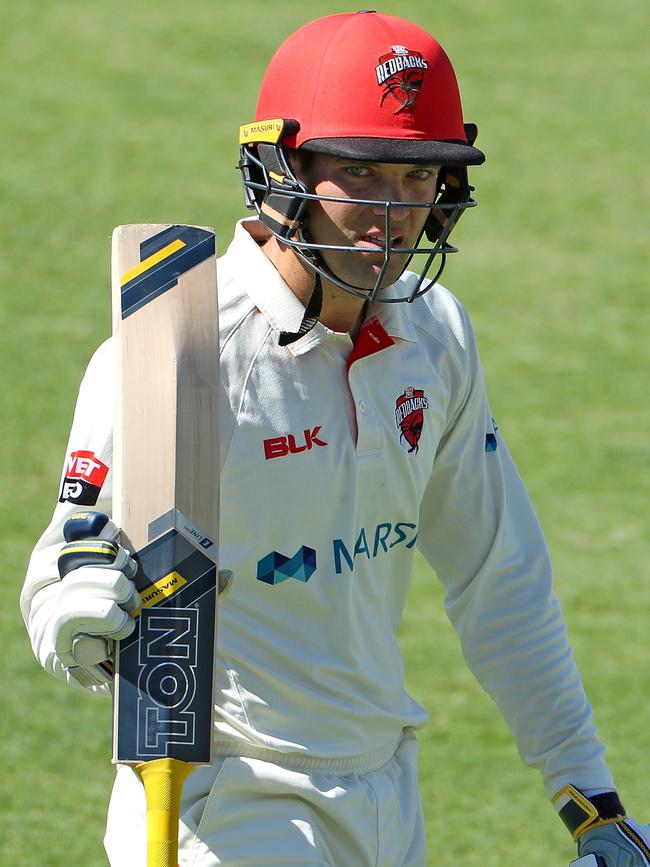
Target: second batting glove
[{"x": 601, "y": 827}]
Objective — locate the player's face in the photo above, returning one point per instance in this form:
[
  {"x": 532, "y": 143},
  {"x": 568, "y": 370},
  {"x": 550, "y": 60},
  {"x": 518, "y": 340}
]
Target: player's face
[{"x": 364, "y": 226}]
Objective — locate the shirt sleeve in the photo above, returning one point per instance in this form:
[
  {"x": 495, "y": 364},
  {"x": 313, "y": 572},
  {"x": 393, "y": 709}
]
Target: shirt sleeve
[
  {"x": 479, "y": 531},
  {"x": 86, "y": 482}
]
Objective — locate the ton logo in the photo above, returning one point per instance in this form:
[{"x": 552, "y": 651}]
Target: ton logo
[{"x": 167, "y": 678}]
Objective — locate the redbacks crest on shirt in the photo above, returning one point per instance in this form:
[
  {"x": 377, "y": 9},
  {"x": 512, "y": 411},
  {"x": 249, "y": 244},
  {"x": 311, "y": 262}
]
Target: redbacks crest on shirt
[{"x": 409, "y": 416}]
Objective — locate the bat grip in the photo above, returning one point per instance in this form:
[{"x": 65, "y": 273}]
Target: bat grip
[{"x": 163, "y": 782}]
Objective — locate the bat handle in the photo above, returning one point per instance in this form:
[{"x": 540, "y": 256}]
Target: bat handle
[{"x": 163, "y": 782}]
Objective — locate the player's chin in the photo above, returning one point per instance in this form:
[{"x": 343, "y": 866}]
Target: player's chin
[
  {"x": 365, "y": 271},
  {"x": 392, "y": 272}
]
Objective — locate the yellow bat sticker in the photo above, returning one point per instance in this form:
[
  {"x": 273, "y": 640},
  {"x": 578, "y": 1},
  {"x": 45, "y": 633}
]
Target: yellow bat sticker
[
  {"x": 161, "y": 589},
  {"x": 150, "y": 261}
]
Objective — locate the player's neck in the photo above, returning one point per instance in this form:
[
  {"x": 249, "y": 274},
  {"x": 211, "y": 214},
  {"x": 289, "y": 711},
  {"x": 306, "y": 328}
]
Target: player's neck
[{"x": 341, "y": 311}]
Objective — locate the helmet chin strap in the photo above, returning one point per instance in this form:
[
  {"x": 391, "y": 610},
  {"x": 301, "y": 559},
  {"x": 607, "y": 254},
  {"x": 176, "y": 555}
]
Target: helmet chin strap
[
  {"x": 315, "y": 304},
  {"x": 310, "y": 316}
]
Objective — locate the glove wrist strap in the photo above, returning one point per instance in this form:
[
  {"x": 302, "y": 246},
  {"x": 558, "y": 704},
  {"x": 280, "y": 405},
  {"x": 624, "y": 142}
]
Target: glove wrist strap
[{"x": 581, "y": 814}]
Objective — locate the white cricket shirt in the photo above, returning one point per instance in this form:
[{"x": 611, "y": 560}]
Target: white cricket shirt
[{"x": 338, "y": 462}]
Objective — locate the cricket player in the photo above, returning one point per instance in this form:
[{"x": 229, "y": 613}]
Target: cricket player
[{"x": 355, "y": 430}]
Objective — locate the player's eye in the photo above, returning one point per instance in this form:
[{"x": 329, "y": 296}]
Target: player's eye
[
  {"x": 423, "y": 174},
  {"x": 358, "y": 171}
]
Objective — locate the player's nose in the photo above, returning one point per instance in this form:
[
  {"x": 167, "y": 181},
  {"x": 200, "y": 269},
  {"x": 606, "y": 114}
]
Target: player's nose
[
  {"x": 389, "y": 208},
  {"x": 390, "y": 189}
]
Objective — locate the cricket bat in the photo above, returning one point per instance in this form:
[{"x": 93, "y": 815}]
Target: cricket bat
[{"x": 166, "y": 502}]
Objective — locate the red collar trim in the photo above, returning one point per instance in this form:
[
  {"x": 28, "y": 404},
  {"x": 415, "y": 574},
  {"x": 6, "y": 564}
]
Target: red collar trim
[{"x": 372, "y": 338}]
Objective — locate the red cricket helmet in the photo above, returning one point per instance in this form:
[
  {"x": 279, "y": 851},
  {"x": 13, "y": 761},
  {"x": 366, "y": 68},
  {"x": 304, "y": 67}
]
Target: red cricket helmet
[
  {"x": 363, "y": 86},
  {"x": 368, "y": 86}
]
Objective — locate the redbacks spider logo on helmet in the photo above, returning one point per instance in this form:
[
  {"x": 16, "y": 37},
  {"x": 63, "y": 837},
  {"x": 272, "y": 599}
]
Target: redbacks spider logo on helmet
[{"x": 401, "y": 72}]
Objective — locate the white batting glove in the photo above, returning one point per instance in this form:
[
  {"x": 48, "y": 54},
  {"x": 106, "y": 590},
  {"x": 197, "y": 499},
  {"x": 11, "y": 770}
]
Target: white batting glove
[
  {"x": 95, "y": 599},
  {"x": 94, "y": 608}
]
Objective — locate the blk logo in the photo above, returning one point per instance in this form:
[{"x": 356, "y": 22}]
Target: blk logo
[
  {"x": 84, "y": 477},
  {"x": 279, "y": 447},
  {"x": 276, "y": 568}
]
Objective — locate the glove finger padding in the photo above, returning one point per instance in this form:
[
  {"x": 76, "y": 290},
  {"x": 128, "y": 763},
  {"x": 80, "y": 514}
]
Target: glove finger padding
[
  {"x": 96, "y": 598},
  {"x": 621, "y": 844},
  {"x": 98, "y": 582},
  {"x": 94, "y": 607},
  {"x": 90, "y": 650},
  {"x": 101, "y": 553},
  {"x": 89, "y": 524}
]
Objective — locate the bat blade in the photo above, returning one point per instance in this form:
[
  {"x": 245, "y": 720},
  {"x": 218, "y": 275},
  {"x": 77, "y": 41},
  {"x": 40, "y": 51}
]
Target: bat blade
[
  {"x": 164, "y": 670},
  {"x": 166, "y": 501}
]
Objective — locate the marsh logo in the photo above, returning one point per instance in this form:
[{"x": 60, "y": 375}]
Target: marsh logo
[
  {"x": 371, "y": 544},
  {"x": 276, "y": 568}
]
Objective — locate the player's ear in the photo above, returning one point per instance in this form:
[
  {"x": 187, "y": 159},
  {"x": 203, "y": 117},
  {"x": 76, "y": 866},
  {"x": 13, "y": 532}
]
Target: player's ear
[{"x": 301, "y": 163}]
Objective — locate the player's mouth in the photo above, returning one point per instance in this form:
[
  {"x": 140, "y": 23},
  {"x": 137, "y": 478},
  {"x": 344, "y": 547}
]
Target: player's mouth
[{"x": 379, "y": 242}]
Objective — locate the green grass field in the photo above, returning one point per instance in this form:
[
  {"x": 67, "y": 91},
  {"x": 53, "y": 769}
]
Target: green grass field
[{"x": 126, "y": 112}]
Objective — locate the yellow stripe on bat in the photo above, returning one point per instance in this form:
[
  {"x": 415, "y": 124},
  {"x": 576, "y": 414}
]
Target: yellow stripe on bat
[{"x": 152, "y": 260}]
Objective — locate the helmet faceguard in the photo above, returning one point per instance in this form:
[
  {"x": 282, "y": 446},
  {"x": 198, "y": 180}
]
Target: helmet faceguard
[{"x": 281, "y": 200}]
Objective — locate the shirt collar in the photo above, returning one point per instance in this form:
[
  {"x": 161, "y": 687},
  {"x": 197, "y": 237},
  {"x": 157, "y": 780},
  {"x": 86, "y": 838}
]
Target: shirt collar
[
  {"x": 284, "y": 311},
  {"x": 267, "y": 289},
  {"x": 396, "y": 318}
]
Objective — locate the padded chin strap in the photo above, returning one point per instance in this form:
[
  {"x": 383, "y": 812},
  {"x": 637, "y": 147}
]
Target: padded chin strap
[{"x": 310, "y": 317}]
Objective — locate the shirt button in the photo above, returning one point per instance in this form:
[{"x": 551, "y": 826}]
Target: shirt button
[{"x": 362, "y": 406}]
